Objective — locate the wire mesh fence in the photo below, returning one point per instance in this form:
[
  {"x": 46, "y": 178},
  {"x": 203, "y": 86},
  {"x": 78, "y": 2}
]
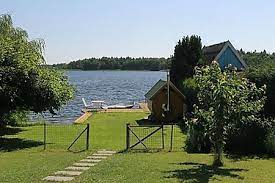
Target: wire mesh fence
[
  {"x": 47, "y": 136},
  {"x": 155, "y": 137}
]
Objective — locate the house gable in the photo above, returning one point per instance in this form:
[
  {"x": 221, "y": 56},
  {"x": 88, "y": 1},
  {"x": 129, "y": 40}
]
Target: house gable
[
  {"x": 225, "y": 54},
  {"x": 155, "y": 89},
  {"x": 158, "y": 87},
  {"x": 229, "y": 58}
]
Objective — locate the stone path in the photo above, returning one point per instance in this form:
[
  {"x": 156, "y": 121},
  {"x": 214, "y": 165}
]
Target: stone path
[{"x": 77, "y": 168}]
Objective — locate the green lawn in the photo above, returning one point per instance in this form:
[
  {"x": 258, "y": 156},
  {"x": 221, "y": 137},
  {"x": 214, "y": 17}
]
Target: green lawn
[{"x": 22, "y": 160}]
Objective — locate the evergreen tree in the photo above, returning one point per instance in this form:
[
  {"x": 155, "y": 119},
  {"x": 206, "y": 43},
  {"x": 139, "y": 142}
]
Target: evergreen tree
[{"x": 187, "y": 54}]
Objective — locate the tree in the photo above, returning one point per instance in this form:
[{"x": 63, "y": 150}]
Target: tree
[
  {"x": 187, "y": 55},
  {"x": 264, "y": 74},
  {"x": 25, "y": 84},
  {"x": 225, "y": 100}
]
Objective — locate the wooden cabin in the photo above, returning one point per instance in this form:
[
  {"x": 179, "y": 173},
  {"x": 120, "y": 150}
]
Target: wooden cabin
[
  {"x": 225, "y": 54},
  {"x": 157, "y": 99}
]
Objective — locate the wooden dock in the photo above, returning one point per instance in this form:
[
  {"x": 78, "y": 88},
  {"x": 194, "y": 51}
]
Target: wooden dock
[
  {"x": 83, "y": 117},
  {"x": 88, "y": 113}
]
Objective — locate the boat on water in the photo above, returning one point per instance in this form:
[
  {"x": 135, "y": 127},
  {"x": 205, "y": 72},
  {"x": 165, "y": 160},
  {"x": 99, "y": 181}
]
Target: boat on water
[
  {"x": 119, "y": 106},
  {"x": 97, "y": 105}
]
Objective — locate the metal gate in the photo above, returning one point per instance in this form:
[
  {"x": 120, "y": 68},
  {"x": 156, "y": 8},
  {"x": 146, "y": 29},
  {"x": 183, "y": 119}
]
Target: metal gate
[
  {"x": 168, "y": 137},
  {"x": 144, "y": 137}
]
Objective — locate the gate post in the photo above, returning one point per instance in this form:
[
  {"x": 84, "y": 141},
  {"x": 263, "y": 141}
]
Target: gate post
[
  {"x": 172, "y": 133},
  {"x": 45, "y": 141},
  {"x": 127, "y": 136},
  {"x": 88, "y": 136},
  {"x": 162, "y": 137}
]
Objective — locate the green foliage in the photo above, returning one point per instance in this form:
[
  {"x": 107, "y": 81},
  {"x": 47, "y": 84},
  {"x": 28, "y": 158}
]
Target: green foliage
[
  {"x": 25, "y": 84},
  {"x": 190, "y": 90},
  {"x": 187, "y": 55},
  {"x": 197, "y": 140},
  {"x": 261, "y": 70},
  {"x": 16, "y": 118},
  {"x": 264, "y": 74},
  {"x": 249, "y": 137},
  {"x": 113, "y": 63},
  {"x": 224, "y": 101},
  {"x": 270, "y": 140},
  {"x": 258, "y": 58}
]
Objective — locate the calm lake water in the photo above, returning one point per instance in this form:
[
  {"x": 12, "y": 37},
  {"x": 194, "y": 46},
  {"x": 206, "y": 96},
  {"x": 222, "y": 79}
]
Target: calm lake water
[{"x": 111, "y": 86}]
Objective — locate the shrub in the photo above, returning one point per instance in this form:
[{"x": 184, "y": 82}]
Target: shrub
[
  {"x": 197, "y": 140},
  {"x": 224, "y": 101},
  {"x": 249, "y": 137},
  {"x": 264, "y": 75},
  {"x": 16, "y": 118},
  {"x": 190, "y": 90}
]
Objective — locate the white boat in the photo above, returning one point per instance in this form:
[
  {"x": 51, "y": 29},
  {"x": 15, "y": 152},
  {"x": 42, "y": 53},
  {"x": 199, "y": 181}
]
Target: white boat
[
  {"x": 100, "y": 104},
  {"x": 119, "y": 106}
]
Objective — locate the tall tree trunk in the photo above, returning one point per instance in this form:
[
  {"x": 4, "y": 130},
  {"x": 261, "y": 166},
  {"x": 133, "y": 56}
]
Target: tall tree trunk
[{"x": 218, "y": 151}]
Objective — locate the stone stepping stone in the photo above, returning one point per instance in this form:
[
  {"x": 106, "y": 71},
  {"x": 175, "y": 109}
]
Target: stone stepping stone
[
  {"x": 58, "y": 178},
  {"x": 96, "y": 157},
  {"x": 84, "y": 164},
  {"x": 106, "y": 152},
  {"x": 77, "y": 168},
  {"x": 101, "y": 154},
  {"x": 91, "y": 160},
  {"x": 69, "y": 173}
]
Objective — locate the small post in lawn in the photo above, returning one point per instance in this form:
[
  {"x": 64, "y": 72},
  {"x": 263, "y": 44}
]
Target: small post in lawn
[
  {"x": 45, "y": 135},
  {"x": 88, "y": 136},
  {"x": 171, "y": 143},
  {"x": 127, "y": 136},
  {"x": 162, "y": 136}
]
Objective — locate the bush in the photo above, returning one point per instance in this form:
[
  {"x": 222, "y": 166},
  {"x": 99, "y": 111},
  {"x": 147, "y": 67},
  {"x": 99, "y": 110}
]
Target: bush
[
  {"x": 16, "y": 118},
  {"x": 264, "y": 75},
  {"x": 190, "y": 90},
  {"x": 197, "y": 141},
  {"x": 270, "y": 140},
  {"x": 249, "y": 137}
]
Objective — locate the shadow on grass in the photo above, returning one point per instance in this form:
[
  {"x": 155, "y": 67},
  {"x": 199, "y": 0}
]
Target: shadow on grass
[
  {"x": 245, "y": 157},
  {"x": 146, "y": 122},
  {"x": 10, "y": 131},
  {"x": 13, "y": 144},
  {"x": 203, "y": 173}
]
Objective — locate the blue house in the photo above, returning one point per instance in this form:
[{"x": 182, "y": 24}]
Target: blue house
[{"x": 225, "y": 54}]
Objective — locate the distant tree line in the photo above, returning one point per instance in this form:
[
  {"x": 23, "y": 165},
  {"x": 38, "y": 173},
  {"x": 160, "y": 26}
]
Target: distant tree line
[
  {"x": 115, "y": 63},
  {"x": 258, "y": 58}
]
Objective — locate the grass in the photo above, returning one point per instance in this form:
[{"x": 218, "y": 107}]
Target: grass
[
  {"x": 23, "y": 160},
  {"x": 108, "y": 129},
  {"x": 177, "y": 167}
]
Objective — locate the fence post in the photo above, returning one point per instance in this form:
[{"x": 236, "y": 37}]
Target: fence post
[
  {"x": 45, "y": 141},
  {"x": 162, "y": 137},
  {"x": 172, "y": 132},
  {"x": 127, "y": 136},
  {"x": 88, "y": 136}
]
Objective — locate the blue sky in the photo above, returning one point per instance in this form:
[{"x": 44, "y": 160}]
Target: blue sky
[{"x": 75, "y": 29}]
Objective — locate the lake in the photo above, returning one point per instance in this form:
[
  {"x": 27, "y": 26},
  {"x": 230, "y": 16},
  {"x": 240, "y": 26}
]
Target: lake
[{"x": 111, "y": 86}]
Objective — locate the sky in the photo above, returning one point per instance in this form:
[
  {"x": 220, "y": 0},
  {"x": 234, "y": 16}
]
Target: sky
[{"x": 77, "y": 29}]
